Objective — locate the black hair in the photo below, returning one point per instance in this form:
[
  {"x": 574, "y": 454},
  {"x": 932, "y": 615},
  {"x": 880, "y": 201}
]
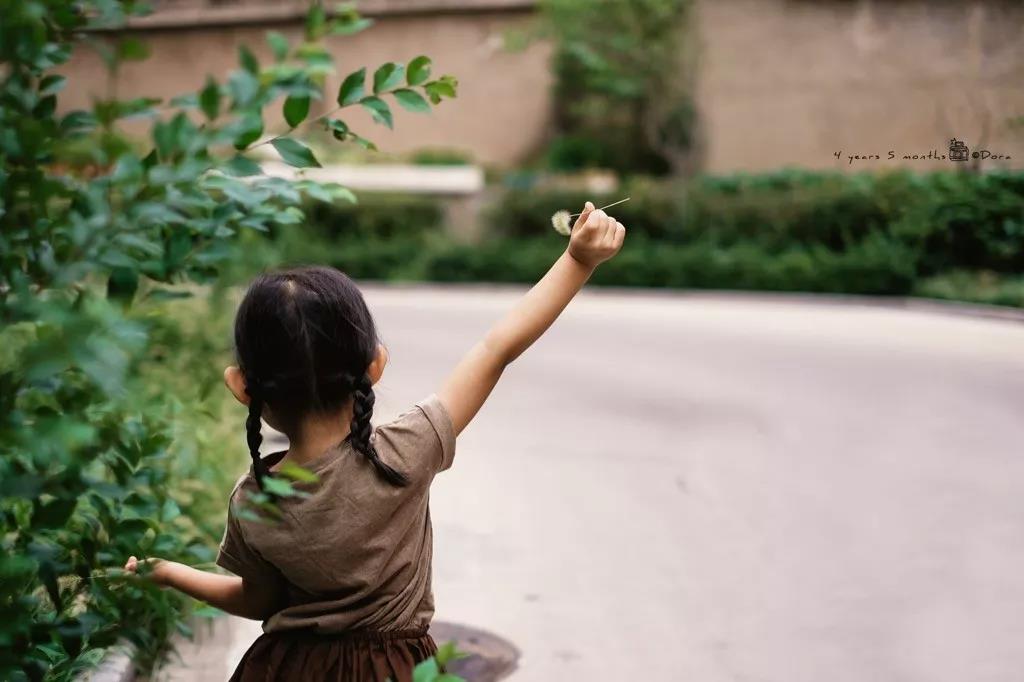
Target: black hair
[{"x": 304, "y": 339}]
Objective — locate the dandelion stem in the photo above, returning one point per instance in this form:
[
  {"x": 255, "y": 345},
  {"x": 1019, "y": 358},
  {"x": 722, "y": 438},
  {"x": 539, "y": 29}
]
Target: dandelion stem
[{"x": 620, "y": 201}]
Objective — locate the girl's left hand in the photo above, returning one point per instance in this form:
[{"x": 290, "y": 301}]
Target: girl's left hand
[{"x": 156, "y": 569}]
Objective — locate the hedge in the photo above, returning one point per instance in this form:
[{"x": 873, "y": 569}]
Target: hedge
[{"x": 898, "y": 233}]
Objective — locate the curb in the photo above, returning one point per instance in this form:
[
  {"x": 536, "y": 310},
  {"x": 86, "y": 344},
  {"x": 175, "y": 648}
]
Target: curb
[{"x": 117, "y": 665}]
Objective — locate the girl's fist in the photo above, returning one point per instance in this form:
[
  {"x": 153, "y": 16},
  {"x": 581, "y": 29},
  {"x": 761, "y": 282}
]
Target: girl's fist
[
  {"x": 154, "y": 569},
  {"x": 595, "y": 237}
]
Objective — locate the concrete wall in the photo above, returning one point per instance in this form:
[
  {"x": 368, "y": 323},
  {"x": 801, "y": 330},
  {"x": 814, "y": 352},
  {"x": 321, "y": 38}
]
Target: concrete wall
[
  {"x": 790, "y": 82},
  {"x": 781, "y": 82}
]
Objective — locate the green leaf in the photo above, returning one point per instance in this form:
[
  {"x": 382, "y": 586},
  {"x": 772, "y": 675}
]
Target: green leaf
[
  {"x": 411, "y": 100},
  {"x": 289, "y": 216},
  {"x": 295, "y": 153},
  {"x": 316, "y": 23},
  {"x": 207, "y": 611},
  {"x": 248, "y": 60},
  {"x": 362, "y": 142},
  {"x": 340, "y": 193},
  {"x": 353, "y": 87},
  {"x": 243, "y": 88},
  {"x": 281, "y": 488},
  {"x": 387, "y": 76},
  {"x": 278, "y": 45},
  {"x": 169, "y": 511},
  {"x": 317, "y": 58},
  {"x": 246, "y": 193},
  {"x": 448, "y": 652},
  {"x": 209, "y": 99},
  {"x": 52, "y": 84},
  {"x": 350, "y": 26},
  {"x": 250, "y": 127},
  {"x": 379, "y": 109},
  {"x": 132, "y": 49},
  {"x": 127, "y": 169},
  {"x": 76, "y": 121},
  {"x": 297, "y": 473},
  {"x": 418, "y": 71},
  {"x": 327, "y": 192},
  {"x": 187, "y": 101},
  {"x": 242, "y": 167},
  {"x": 179, "y": 245},
  {"x": 296, "y": 108},
  {"x": 122, "y": 284},
  {"x": 337, "y": 127},
  {"x": 161, "y": 294},
  {"x": 441, "y": 88},
  {"x": 427, "y": 671}
]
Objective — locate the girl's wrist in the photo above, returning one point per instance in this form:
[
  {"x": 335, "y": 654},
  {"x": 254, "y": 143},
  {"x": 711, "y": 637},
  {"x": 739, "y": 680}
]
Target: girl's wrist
[
  {"x": 587, "y": 267},
  {"x": 162, "y": 572}
]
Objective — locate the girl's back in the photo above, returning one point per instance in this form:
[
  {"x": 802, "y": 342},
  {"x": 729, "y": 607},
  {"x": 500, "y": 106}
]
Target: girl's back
[{"x": 356, "y": 553}]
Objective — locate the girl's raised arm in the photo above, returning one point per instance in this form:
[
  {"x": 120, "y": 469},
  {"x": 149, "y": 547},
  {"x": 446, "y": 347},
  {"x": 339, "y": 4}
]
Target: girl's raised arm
[{"x": 595, "y": 238}]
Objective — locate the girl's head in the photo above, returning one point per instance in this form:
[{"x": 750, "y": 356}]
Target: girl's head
[{"x": 307, "y": 346}]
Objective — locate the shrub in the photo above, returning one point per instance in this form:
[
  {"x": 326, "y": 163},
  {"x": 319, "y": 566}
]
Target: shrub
[
  {"x": 624, "y": 84},
  {"x": 803, "y": 230},
  {"x": 786, "y": 231},
  {"x": 103, "y": 376}
]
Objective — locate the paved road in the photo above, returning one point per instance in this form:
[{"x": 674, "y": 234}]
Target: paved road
[{"x": 727, "y": 490}]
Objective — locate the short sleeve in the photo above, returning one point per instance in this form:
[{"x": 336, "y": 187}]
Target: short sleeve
[
  {"x": 238, "y": 556},
  {"x": 441, "y": 421},
  {"x": 423, "y": 438}
]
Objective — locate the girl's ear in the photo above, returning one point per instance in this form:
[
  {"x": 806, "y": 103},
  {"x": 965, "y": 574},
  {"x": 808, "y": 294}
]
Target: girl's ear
[
  {"x": 235, "y": 381},
  {"x": 376, "y": 369}
]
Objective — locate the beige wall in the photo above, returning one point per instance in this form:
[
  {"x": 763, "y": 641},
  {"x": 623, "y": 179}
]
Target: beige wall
[
  {"x": 789, "y": 82},
  {"x": 781, "y": 82},
  {"x": 500, "y": 115}
]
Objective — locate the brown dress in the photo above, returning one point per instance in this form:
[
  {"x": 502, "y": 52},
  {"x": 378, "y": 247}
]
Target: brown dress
[
  {"x": 353, "y": 656},
  {"x": 350, "y": 559}
]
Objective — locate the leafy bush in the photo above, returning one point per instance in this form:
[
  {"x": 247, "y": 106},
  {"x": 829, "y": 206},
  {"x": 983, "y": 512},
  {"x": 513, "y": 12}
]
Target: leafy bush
[
  {"x": 103, "y": 376},
  {"x": 384, "y": 233},
  {"x": 624, "y": 84},
  {"x": 898, "y": 233},
  {"x": 441, "y": 157},
  {"x": 981, "y": 287},
  {"x": 844, "y": 229}
]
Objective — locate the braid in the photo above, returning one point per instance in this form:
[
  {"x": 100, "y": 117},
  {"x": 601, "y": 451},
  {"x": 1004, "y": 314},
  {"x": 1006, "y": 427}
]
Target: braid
[
  {"x": 362, "y": 410},
  {"x": 253, "y": 435}
]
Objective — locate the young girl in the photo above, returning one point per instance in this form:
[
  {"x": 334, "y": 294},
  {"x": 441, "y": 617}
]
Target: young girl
[{"x": 342, "y": 578}]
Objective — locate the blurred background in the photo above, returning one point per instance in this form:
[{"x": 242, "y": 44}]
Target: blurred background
[
  {"x": 780, "y": 145},
  {"x": 779, "y": 438}
]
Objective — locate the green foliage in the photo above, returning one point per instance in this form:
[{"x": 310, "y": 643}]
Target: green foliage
[
  {"x": 105, "y": 384},
  {"x": 940, "y": 221},
  {"x": 383, "y": 234},
  {"x": 440, "y": 157},
  {"x": 623, "y": 83},
  {"x": 982, "y": 286},
  {"x": 433, "y": 669},
  {"x": 946, "y": 235}
]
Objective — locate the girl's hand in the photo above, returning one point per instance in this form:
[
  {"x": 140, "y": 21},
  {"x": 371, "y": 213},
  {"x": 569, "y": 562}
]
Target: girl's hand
[
  {"x": 154, "y": 569},
  {"x": 595, "y": 237}
]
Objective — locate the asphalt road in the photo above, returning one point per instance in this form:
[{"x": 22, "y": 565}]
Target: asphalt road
[{"x": 720, "y": 489}]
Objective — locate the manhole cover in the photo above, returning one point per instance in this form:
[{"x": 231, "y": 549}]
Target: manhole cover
[{"x": 490, "y": 659}]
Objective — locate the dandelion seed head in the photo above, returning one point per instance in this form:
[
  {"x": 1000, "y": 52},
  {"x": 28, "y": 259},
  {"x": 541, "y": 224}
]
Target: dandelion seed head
[{"x": 560, "y": 221}]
